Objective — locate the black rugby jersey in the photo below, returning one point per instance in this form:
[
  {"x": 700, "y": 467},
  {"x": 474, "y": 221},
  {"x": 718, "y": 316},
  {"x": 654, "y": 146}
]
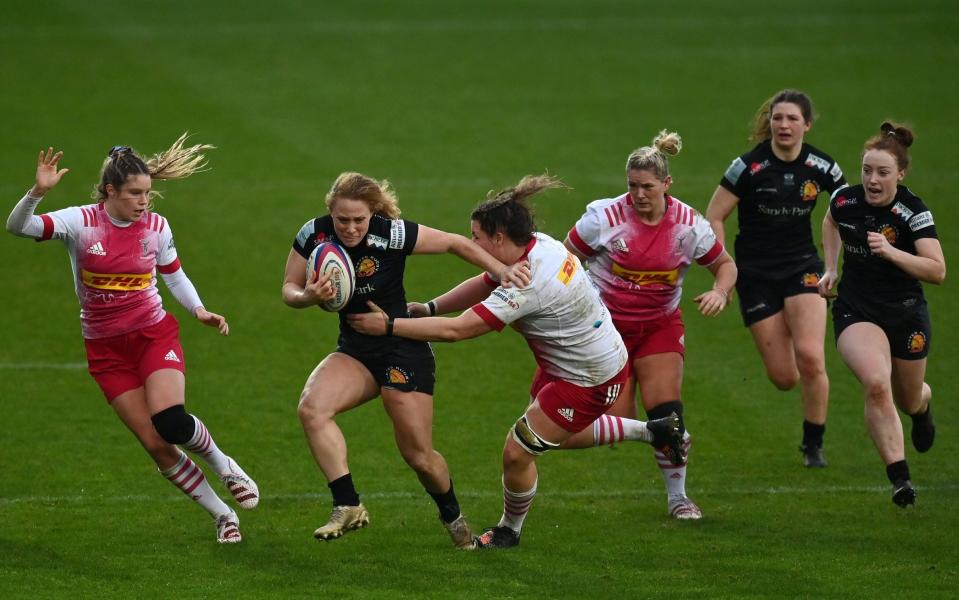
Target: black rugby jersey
[
  {"x": 869, "y": 280},
  {"x": 379, "y": 261},
  {"x": 776, "y": 199}
]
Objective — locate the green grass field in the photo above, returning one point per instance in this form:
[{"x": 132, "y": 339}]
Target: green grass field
[{"x": 449, "y": 100}]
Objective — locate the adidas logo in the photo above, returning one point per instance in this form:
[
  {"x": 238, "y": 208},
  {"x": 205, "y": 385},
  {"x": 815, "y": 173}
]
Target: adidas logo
[
  {"x": 171, "y": 355},
  {"x": 566, "y": 413},
  {"x": 97, "y": 249}
]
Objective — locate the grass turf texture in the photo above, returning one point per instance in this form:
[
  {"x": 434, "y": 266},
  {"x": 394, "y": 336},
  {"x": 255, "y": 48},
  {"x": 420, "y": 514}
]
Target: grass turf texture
[{"x": 449, "y": 102}]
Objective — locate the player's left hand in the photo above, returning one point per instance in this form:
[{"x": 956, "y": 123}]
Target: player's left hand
[
  {"x": 711, "y": 303},
  {"x": 878, "y": 244},
  {"x": 213, "y": 320},
  {"x": 371, "y": 323}
]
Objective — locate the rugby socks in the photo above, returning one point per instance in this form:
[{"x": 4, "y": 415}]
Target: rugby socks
[
  {"x": 610, "y": 430},
  {"x": 674, "y": 476},
  {"x": 897, "y": 471},
  {"x": 344, "y": 494},
  {"x": 191, "y": 481},
  {"x": 515, "y": 507},
  {"x": 202, "y": 445},
  {"x": 447, "y": 503},
  {"x": 812, "y": 434}
]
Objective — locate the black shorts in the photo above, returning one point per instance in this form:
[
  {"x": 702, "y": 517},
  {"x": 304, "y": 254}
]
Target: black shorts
[
  {"x": 909, "y": 333},
  {"x": 409, "y": 366},
  {"x": 762, "y": 298}
]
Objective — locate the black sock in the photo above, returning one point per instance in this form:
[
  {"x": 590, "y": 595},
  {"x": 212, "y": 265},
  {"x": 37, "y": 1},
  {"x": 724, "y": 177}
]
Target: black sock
[
  {"x": 448, "y": 504},
  {"x": 897, "y": 471},
  {"x": 812, "y": 434},
  {"x": 344, "y": 494},
  {"x": 667, "y": 408}
]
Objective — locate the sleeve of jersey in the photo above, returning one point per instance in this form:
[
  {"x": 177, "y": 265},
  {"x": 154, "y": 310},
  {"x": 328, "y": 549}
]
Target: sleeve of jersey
[
  {"x": 585, "y": 234},
  {"x": 63, "y": 224},
  {"x": 301, "y": 243},
  {"x": 503, "y": 306},
  {"x": 735, "y": 177},
  {"x": 921, "y": 223},
  {"x": 834, "y": 179},
  {"x": 832, "y": 202},
  {"x": 403, "y": 235},
  {"x": 167, "y": 260},
  {"x": 182, "y": 288},
  {"x": 708, "y": 247}
]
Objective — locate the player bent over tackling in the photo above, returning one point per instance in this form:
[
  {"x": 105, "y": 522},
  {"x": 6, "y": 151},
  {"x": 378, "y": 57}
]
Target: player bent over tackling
[{"x": 581, "y": 356}]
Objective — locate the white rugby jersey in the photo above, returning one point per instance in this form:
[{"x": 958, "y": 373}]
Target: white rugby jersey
[
  {"x": 639, "y": 268},
  {"x": 561, "y": 316},
  {"x": 114, "y": 266}
]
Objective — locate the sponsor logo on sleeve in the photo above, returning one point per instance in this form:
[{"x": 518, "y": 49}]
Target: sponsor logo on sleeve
[
  {"x": 900, "y": 210},
  {"x": 397, "y": 234},
  {"x": 510, "y": 298},
  {"x": 844, "y": 201},
  {"x": 758, "y": 166},
  {"x": 817, "y": 162},
  {"x": 921, "y": 221},
  {"x": 835, "y": 172},
  {"x": 171, "y": 245},
  {"x": 735, "y": 170},
  {"x": 375, "y": 241}
]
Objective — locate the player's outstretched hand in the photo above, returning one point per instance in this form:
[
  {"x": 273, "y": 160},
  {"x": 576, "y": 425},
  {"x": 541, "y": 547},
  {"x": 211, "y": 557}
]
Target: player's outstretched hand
[
  {"x": 371, "y": 323},
  {"x": 47, "y": 174},
  {"x": 213, "y": 320},
  {"x": 417, "y": 309}
]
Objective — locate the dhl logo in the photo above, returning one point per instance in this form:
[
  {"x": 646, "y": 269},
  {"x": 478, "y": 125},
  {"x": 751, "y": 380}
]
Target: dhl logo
[
  {"x": 123, "y": 282},
  {"x": 568, "y": 269},
  {"x": 646, "y": 277}
]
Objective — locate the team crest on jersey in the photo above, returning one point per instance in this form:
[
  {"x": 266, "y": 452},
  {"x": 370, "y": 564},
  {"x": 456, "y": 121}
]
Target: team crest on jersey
[
  {"x": 817, "y": 162},
  {"x": 144, "y": 247},
  {"x": 888, "y": 232},
  {"x": 917, "y": 342},
  {"x": 810, "y": 190},
  {"x": 810, "y": 279},
  {"x": 375, "y": 241},
  {"x": 367, "y": 267},
  {"x": 758, "y": 166},
  {"x": 620, "y": 246},
  {"x": 397, "y": 375}
]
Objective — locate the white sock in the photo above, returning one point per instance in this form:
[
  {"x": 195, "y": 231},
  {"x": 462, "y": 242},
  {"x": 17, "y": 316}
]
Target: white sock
[
  {"x": 674, "y": 476},
  {"x": 610, "y": 430},
  {"x": 515, "y": 507},
  {"x": 202, "y": 445},
  {"x": 192, "y": 482}
]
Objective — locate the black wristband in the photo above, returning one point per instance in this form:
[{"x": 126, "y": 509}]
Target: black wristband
[
  {"x": 389, "y": 326},
  {"x": 432, "y": 306}
]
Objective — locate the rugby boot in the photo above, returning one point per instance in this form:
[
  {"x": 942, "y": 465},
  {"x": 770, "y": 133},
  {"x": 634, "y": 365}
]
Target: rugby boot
[{"x": 342, "y": 520}]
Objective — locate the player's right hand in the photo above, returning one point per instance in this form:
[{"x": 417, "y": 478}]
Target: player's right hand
[
  {"x": 826, "y": 284},
  {"x": 47, "y": 174},
  {"x": 319, "y": 290}
]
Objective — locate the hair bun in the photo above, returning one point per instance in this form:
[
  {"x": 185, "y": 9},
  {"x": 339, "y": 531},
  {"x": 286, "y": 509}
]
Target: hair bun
[{"x": 901, "y": 133}]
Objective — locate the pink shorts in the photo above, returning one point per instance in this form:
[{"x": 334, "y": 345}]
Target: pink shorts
[
  {"x": 122, "y": 363},
  {"x": 573, "y": 407},
  {"x": 644, "y": 338}
]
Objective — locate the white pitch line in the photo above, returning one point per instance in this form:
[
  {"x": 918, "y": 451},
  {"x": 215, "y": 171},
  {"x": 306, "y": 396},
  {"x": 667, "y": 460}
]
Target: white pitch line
[
  {"x": 399, "y": 495},
  {"x": 41, "y": 366}
]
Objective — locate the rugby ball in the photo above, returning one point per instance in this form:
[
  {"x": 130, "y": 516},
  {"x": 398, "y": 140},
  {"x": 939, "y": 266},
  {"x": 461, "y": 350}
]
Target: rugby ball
[{"x": 330, "y": 257}]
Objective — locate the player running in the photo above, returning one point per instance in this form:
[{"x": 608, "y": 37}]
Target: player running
[
  {"x": 638, "y": 247},
  {"x": 883, "y": 331},
  {"x": 117, "y": 245},
  {"x": 582, "y": 360},
  {"x": 365, "y": 219},
  {"x": 774, "y": 188}
]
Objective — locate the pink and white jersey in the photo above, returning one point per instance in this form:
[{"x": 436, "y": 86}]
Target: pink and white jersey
[
  {"x": 114, "y": 266},
  {"x": 639, "y": 268},
  {"x": 561, "y": 316}
]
